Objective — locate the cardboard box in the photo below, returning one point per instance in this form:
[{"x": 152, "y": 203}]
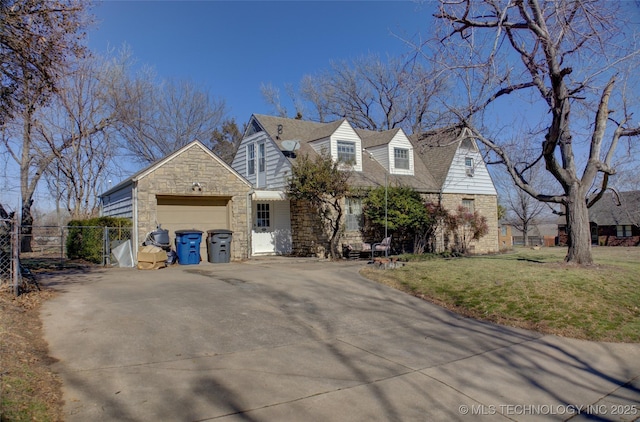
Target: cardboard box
[{"x": 151, "y": 258}]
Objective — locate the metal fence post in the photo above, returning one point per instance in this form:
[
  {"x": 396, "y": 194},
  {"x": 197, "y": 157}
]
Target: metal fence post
[
  {"x": 62, "y": 245},
  {"x": 105, "y": 246}
]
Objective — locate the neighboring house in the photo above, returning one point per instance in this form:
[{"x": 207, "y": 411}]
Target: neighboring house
[
  {"x": 614, "y": 220},
  {"x": 541, "y": 233},
  {"x": 444, "y": 166},
  {"x": 191, "y": 188}
]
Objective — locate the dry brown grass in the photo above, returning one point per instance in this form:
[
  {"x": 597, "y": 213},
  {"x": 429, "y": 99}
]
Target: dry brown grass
[{"x": 29, "y": 390}]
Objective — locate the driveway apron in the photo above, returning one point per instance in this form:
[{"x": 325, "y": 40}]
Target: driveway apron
[{"x": 301, "y": 340}]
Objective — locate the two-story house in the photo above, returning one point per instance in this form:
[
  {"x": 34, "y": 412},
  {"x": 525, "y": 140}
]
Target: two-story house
[{"x": 444, "y": 166}]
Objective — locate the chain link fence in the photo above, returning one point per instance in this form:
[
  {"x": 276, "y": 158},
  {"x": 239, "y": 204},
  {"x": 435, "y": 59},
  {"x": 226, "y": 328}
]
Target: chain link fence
[
  {"x": 7, "y": 250},
  {"x": 45, "y": 247},
  {"x": 55, "y": 245}
]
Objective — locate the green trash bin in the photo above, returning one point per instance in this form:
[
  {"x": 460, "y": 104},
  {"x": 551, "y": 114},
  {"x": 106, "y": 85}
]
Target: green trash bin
[{"x": 219, "y": 245}]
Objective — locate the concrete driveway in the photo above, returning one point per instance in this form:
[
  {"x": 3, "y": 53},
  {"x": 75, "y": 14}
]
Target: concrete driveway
[{"x": 299, "y": 340}]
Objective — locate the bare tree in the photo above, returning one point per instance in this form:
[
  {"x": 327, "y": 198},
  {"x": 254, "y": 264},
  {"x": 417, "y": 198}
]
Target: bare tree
[
  {"x": 226, "y": 140},
  {"x": 80, "y": 119},
  {"x": 374, "y": 94},
  {"x": 158, "y": 118},
  {"x": 370, "y": 92},
  {"x": 271, "y": 95},
  {"x": 560, "y": 61},
  {"x": 60, "y": 139},
  {"x": 37, "y": 37},
  {"x": 523, "y": 211}
]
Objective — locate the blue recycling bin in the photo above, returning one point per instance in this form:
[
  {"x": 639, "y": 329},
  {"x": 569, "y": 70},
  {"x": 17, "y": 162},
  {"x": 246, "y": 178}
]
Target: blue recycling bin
[{"x": 188, "y": 246}]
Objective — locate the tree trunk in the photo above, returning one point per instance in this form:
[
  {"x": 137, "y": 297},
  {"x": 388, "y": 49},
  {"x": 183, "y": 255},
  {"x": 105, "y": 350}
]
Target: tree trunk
[
  {"x": 27, "y": 187},
  {"x": 578, "y": 229},
  {"x": 26, "y": 223},
  {"x": 335, "y": 231}
]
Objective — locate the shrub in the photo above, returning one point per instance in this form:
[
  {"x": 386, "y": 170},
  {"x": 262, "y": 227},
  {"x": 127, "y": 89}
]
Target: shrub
[{"x": 86, "y": 237}]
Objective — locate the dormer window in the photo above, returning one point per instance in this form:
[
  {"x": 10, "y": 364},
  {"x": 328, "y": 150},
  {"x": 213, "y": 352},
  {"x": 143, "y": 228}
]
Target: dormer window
[
  {"x": 347, "y": 152},
  {"x": 401, "y": 158},
  {"x": 468, "y": 164}
]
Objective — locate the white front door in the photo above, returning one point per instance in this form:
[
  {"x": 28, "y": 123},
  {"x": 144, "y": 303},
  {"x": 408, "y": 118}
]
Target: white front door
[
  {"x": 261, "y": 239},
  {"x": 271, "y": 233}
]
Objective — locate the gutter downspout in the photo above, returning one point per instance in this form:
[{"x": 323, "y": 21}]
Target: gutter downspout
[{"x": 134, "y": 237}]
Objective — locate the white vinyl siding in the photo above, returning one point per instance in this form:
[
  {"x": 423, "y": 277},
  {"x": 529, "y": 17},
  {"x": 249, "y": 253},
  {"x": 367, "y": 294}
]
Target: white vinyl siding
[
  {"x": 345, "y": 133},
  {"x": 457, "y": 180},
  {"x": 321, "y": 146},
  {"x": 118, "y": 203},
  {"x": 380, "y": 154},
  {"x": 400, "y": 142},
  {"x": 277, "y": 166}
]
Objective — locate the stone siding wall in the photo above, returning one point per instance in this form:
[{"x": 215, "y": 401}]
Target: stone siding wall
[
  {"x": 307, "y": 231},
  {"x": 487, "y": 206},
  {"x": 176, "y": 178},
  {"x": 309, "y": 238}
]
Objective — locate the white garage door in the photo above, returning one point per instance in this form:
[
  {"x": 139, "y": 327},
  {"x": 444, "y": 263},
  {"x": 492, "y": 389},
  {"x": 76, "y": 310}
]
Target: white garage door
[{"x": 199, "y": 213}]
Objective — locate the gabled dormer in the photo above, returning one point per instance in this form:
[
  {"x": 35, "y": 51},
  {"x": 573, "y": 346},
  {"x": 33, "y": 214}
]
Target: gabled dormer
[
  {"x": 392, "y": 149},
  {"x": 341, "y": 141},
  {"x": 453, "y": 157}
]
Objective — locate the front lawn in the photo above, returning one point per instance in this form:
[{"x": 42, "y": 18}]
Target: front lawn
[{"x": 533, "y": 289}]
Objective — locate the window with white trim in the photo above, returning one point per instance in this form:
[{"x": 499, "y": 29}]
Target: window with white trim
[
  {"x": 251, "y": 159},
  {"x": 261, "y": 157},
  {"x": 347, "y": 152},
  {"x": 468, "y": 165},
  {"x": 353, "y": 214},
  {"x": 401, "y": 158},
  {"x": 262, "y": 215},
  {"x": 468, "y": 205}
]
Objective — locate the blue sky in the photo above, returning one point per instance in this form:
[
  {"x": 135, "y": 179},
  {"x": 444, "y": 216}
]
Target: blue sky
[{"x": 231, "y": 48}]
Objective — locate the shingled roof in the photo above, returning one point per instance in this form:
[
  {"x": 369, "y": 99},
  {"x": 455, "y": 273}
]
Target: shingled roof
[
  {"x": 437, "y": 148},
  {"x": 371, "y": 138},
  {"x": 372, "y": 174},
  {"x": 609, "y": 212}
]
